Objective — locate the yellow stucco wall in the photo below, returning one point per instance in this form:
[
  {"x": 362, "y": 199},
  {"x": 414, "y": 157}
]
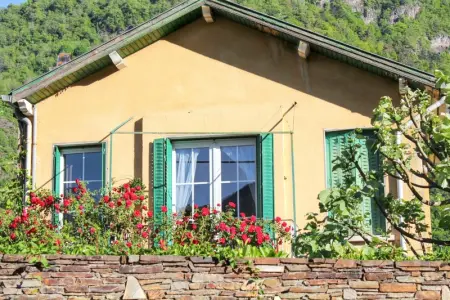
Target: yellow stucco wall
[{"x": 216, "y": 77}]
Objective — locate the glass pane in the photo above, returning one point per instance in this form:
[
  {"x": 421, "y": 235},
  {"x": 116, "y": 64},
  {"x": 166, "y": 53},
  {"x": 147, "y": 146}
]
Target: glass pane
[
  {"x": 184, "y": 165},
  {"x": 73, "y": 166},
  {"x": 247, "y": 198},
  {"x": 247, "y": 163},
  {"x": 95, "y": 188},
  {"x": 201, "y": 195},
  {"x": 229, "y": 157},
  {"x": 184, "y": 199},
  {"x": 68, "y": 188},
  {"x": 202, "y": 166},
  {"x": 229, "y": 194},
  {"x": 93, "y": 166}
]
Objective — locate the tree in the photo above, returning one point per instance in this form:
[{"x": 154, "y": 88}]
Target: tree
[{"x": 421, "y": 161}]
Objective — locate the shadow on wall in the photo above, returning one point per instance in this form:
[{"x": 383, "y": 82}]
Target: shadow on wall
[{"x": 277, "y": 60}]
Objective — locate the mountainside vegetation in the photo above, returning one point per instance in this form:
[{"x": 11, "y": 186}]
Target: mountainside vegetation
[{"x": 32, "y": 34}]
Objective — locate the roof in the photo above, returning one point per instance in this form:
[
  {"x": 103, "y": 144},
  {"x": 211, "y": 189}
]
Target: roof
[{"x": 149, "y": 32}]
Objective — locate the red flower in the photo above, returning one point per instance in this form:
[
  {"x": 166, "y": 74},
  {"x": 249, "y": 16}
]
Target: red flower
[
  {"x": 196, "y": 215},
  {"x": 75, "y": 190},
  {"x": 92, "y": 230},
  {"x": 77, "y": 181},
  {"x": 13, "y": 236},
  {"x": 138, "y": 188},
  {"x": 245, "y": 238},
  {"x": 150, "y": 214},
  {"x": 144, "y": 207},
  {"x": 232, "y": 204},
  {"x": 287, "y": 229},
  {"x": 174, "y": 214},
  {"x": 164, "y": 209},
  {"x": 162, "y": 244},
  {"x": 128, "y": 203},
  {"x": 126, "y": 186},
  {"x": 129, "y": 244},
  {"x": 137, "y": 213},
  {"x": 222, "y": 241},
  {"x": 205, "y": 211},
  {"x": 57, "y": 208},
  {"x": 215, "y": 211},
  {"x": 278, "y": 219},
  {"x": 119, "y": 203},
  {"x": 111, "y": 204},
  {"x": 195, "y": 242},
  {"x": 195, "y": 206},
  {"x": 141, "y": 197},
  {"x": 80, "y": 207},
  {"x": 251, "y": 228},
  {"x": 145, "y": 234},
  {"x": 194, "y": 226},
  {"x": 218, "y": 204},
  {"x": 66, "y": 202},
  {"x": 242, "y": 215},
  {"x": 134, "y": 196},
  {"x": 139, "y": 226},
  {"x": 189, "y": 235},
  {"x": 58, "y": 243},
  {"x": 284, "y": 224},
  {"x": 253, "y": 219},
  {"x": 80, "y": 230}
]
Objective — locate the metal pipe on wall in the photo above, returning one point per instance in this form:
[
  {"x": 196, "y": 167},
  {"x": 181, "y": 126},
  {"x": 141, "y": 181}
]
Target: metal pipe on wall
[
  {"x": 27, "y": 158},
  {"x": 34, "y": 152}
]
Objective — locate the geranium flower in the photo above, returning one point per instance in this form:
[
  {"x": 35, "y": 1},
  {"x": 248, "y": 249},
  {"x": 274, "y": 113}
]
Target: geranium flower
[
  {"x": 284, "y": 224},
  {"x": 253, "y": 219},
  {"x": 58, "y": 242},
  {"x": 145, "y": 234},
  {"x": 222, "y": 241},
  {"x": 194, "y": 226},
  {"x": 139, "y": 226},
  {"x": 164, "y": 209},
  {"x": 141, "y": 197},
  {"x": 150, "y": 214},
  {"x": 287, "y": 229},
  {"x": 111, "y": 204},
  {"x": 195, "y": 242},
  {"x": 137, "y": 213},
  {"x": 92, "y": 230},
  {"x": 129, "y": 244},
  {"x": 245, "y": 238},
  {"x": 128, "y": 203},
  {"x": 232, "y": 204},
  {"x": 75, "y": 190},
  {"x": 106, "y": 199},
  {"x": 205, "y": 211},
  {"x": 242, "y": 215},
  {"x": 278, "y": 219},
  {"x": 13, "y": 236},
  {"x": 195, "y": 206}
]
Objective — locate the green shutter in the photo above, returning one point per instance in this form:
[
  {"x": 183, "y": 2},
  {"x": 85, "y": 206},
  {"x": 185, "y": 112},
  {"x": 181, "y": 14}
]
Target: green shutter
[
  {"x": 336, "y": 142},
  {"x": 265, "y": 143},
  {"x": 378, "y": 220},
  {"x": 169, "y": 175},
  {"x": 56, "y": 180},
  {"x": 162, "y": 176}
]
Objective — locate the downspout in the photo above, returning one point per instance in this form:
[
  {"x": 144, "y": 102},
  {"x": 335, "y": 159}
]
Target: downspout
[
  {"x": 28, "y": 158},
  {"x": 398, "y": 142},
  {"x": 33, "y": 153}
]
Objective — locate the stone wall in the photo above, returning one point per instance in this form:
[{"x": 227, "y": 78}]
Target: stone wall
[{"x": 176, "y": 277}]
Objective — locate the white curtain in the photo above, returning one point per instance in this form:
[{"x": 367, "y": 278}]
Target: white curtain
[
  {"x": 186, "y": 165},
  {"x": 247, "y": 154}
]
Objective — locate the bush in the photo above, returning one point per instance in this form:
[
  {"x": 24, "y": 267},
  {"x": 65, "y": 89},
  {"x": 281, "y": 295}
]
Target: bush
[{"x": 121, "y": 223}]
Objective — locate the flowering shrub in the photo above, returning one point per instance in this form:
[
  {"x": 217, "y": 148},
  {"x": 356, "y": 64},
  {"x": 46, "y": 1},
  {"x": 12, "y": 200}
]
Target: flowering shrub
[{"x": 121, "y": 223}]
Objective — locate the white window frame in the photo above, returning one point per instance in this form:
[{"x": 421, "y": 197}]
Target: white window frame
[
  {"x": 215, "y": 176},
  {"x": 74, "y": 150}
]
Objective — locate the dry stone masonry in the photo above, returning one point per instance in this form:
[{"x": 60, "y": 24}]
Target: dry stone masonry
[{"x": 177, "y": 277}]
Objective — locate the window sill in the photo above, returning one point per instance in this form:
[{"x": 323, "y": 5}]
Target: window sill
[{"x": 358, "y": 239}]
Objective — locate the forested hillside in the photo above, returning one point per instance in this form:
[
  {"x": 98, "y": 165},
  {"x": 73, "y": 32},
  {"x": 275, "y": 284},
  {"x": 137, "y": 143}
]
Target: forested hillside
[{"x": 413, "y": 32}]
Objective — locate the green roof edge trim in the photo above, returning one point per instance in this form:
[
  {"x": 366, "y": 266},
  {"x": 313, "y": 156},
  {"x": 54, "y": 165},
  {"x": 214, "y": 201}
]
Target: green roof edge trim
[{"x": 90, "y": 62}]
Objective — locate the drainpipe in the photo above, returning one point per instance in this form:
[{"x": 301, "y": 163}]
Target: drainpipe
[
  {"x": 28, "y": 157},
  {"x": 398, "y": 142},
  {"x": 33, "y": 153}
]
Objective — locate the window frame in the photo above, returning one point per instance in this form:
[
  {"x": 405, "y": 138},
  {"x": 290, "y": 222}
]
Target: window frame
[
  {"x": 215, "y": 176},
  {"x": 73, "y": 149}
]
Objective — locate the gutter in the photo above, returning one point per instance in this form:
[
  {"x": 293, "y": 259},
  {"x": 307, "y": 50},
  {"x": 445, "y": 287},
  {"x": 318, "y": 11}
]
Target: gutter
[{"x": 27, "y": 123}]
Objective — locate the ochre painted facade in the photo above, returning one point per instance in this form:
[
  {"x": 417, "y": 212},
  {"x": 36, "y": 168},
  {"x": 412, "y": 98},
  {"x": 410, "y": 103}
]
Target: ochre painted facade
[{"x": 220, "y": 77}]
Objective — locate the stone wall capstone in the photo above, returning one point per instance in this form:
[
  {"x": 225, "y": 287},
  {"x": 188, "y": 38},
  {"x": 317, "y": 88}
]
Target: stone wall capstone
[{"x": 74, "y": 277}]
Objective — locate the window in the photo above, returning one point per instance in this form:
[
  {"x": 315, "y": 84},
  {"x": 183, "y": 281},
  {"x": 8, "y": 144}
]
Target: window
[
  {"x": 207, "y": 173},
  {"x": 336, "y": 142},
  {"x": 84, "y": 163},
  {"x": 214, "y": 171}
]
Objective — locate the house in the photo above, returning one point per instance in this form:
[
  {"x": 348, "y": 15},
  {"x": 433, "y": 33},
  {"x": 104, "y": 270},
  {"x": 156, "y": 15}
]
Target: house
[{"x": 207, "y": 103}]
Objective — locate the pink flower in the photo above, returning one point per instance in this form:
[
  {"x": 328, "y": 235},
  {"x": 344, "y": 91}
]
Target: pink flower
[{"x": 139, "y": 226}]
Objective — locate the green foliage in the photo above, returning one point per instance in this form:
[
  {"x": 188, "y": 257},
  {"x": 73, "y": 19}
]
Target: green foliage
[
  {"x": 120, "y": 223},
  {"x": 425, "y": 141}
]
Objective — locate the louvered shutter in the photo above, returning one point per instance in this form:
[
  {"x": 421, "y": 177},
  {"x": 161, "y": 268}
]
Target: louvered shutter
[
  {"x": 266, "y": 186},
  {"x": 162, "y": 177},
  {"x": 336, "y": 142},
  {"x": 366, "y": 205},
  {"x": 56, "y": 181}
]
